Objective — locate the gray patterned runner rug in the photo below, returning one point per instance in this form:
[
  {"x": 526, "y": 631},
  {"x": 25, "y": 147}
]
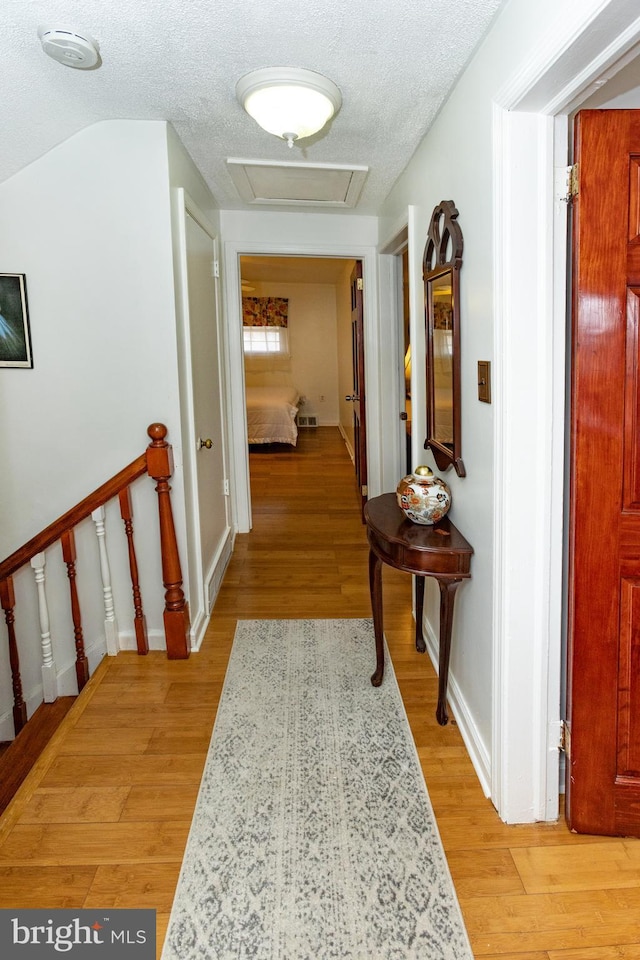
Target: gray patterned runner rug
[{"x": 313, "y": 836}]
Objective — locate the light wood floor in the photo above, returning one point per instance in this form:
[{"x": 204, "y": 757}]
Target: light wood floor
[{"x": 103, "y": 818}]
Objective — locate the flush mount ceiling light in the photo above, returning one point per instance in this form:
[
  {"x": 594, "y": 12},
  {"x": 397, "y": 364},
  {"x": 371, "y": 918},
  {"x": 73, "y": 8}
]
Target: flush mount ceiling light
[{"x": 289, "y": 102}]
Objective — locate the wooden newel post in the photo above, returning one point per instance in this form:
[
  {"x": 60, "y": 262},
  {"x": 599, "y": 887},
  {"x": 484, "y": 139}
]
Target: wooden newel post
[{"x": 176, "y": 608}]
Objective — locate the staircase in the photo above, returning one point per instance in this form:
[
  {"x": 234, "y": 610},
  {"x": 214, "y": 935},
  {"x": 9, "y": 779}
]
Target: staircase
[{"x": 30, "y": 737}]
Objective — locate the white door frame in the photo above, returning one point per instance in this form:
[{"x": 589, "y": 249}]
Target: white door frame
[
  {"x": 391, "y": 308},
  {"x": 529, "y": 140},
  {"x": 233, "y": 250}
]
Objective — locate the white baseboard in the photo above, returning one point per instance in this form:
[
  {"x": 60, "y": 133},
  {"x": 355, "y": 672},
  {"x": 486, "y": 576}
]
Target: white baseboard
[
  {"x": 215, "y": 575},
  {"x": 470, "y": 734},
  {"x": 199, "y": 626},
  {"x": 127, "y": 640},
  {"x": 350, "y": 450},
  {"x": 212, "y": 583}
]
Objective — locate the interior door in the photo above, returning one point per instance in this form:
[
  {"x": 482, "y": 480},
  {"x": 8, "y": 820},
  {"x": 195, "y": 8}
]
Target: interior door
[
  {"x": 358, "y": 396},
  {"x": 212, "y": 506},
  {"x": 603, "y": 768}
]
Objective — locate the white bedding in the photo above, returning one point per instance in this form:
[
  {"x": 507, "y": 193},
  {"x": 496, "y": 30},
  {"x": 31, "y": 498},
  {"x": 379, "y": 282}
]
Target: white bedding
[{"x": 271, "y": 413}]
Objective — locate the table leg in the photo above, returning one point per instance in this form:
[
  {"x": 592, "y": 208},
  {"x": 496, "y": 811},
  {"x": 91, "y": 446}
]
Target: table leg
[
  {"x": 447, "y": 597},
  {"x": 420, "y": 644},
  {"x": 375, "y": 586}
]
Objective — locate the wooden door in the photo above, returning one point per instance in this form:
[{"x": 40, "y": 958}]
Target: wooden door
[
  {"x": 212, "y": 508},
  {"x": 603, "y": 767},
  {"x": 358, "y": 396}
]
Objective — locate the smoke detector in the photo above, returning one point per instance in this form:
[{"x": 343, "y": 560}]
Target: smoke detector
[{"x": 70, "y": 48}]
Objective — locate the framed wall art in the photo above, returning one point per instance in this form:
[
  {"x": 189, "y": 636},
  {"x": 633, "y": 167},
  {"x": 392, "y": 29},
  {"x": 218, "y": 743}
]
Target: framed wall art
[{"x": 15, "y": 335}]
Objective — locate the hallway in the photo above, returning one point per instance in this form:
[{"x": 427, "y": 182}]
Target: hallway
[{"x": 103, "y": 819}]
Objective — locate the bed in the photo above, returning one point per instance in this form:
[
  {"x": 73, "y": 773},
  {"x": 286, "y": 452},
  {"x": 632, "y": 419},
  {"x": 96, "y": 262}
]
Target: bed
[{"x": 271, "y": 414}]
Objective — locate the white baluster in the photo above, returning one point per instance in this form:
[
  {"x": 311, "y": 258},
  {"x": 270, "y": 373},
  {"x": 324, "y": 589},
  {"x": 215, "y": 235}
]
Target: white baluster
[
  {"x": 49, "y": 672},
  {"x": 110, "y": 624}
]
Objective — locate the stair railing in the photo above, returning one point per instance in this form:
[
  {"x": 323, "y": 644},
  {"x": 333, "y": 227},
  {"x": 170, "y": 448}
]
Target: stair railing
[{"x": 157, "y": 463}]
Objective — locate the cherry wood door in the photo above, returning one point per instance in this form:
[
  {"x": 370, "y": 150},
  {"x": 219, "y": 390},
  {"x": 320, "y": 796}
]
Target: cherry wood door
[
  {"x": 603, "y": 767},
  {"x": 359, "y": 408}
]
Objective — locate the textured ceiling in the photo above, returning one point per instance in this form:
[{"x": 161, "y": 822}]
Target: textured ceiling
[{"x": 179, "y": 60}]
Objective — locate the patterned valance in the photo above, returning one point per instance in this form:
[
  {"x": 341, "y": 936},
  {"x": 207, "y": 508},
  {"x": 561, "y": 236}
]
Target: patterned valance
[{"x": 264, "y": 311}]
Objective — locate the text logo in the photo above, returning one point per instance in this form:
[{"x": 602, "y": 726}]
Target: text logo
[{"x": 107, "y": 934}]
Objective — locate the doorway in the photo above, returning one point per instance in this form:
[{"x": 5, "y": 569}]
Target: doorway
[
  {"x": 382, "y": 468},
  {"x": 530, "y": 117},
  {"x": 309, "y": 350}
]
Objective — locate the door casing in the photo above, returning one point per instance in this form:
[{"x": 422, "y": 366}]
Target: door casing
[
  {"x": 530, "y": 144},
  {"x": 241, "y": 493}
]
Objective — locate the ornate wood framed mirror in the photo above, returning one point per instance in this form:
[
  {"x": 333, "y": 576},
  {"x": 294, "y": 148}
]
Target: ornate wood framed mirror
[{"x": 441, "y": 270}]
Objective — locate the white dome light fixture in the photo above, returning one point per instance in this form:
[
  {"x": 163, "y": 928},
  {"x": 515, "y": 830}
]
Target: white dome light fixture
[
  {"x": 289, "y": 102},
  {"x": 69, "y": 47}
]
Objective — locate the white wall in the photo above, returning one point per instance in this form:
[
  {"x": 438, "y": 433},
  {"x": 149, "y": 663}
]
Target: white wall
[
  {"x": 89, "y": 225},
  {"x": 85, "y": 224},
  {"x": 456, "y": 161},
  {"x": 446, "y": 168},
  {"x": 311, "y": 231},
  {"x": 184, "y": 173}
]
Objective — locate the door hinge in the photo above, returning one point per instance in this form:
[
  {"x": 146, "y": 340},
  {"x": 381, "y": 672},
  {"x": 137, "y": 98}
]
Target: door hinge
[
  {"x": 574, "y": 180},
  {"x": 365, "y": 490},
  {"x": 215, "y": 269},
  {"x": 569, "y": 187},
  {"x": 359, "y": 284},
  {"x": 226, "y": 488},
  {"x": 564, "y": 740}
]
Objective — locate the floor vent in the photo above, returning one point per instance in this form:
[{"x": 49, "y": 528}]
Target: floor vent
[{"x": 307, "y": 421}]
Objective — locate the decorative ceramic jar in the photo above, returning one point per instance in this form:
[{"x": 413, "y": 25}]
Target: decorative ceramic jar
[{"x": 423, "y": 497}]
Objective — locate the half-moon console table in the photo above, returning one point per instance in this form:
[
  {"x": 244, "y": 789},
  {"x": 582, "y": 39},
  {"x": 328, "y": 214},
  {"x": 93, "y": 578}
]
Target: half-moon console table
[{"x": 438, "y": 551}]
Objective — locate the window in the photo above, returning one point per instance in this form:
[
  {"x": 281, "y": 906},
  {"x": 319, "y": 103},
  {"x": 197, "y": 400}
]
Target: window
[
  {"x": 264, "y": 326},
  {"x": 265, "y": 341}
]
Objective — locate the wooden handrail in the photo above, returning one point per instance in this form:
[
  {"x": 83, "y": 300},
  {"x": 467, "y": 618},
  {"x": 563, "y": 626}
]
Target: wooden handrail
[
  {"x": 73, "y": 517},
  {"x": 157, "y": 463}
]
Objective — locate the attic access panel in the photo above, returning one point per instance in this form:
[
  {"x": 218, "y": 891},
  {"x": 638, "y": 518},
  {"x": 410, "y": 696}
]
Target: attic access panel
[{"x": 313, "y": 184}]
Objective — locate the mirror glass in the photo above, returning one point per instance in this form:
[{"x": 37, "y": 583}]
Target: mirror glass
[
  {"x": 442, "y": 304},
  {"x": 442, "y": 262}
]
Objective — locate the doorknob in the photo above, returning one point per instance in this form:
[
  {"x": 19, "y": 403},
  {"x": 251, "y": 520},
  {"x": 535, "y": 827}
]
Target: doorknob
[
  {"x": 204, "y": 443},
  {"x": 354, "y": 397}
]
